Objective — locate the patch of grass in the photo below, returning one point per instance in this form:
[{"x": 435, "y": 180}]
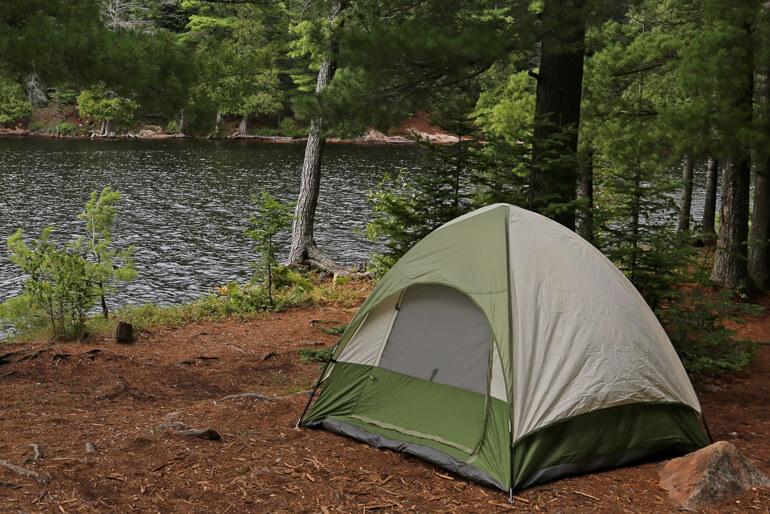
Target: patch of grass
[
  {"x": 334, "y": 331},
  {"x": 315, "y": 354},
  {"x": 233, "y": 300}
]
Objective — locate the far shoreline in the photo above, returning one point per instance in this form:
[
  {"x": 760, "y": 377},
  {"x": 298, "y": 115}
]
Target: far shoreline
[{"x": 371, "y": 138}]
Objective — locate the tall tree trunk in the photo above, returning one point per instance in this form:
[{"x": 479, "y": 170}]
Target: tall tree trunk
[
  {"x": 585, "y": 193},
  {"x": 710, "y": 202},
  {"x": 731, "y": 256},
  {"x": 218, "y": 125},
  {"x": 303, "y": 247},
  {"x": 685, "y": 205},
  {"x": 759, "y": 247},
  {"x": 557, "y": 110},
  {"x": 730, "y": 269},
  {"x": 243, "y": 126}
]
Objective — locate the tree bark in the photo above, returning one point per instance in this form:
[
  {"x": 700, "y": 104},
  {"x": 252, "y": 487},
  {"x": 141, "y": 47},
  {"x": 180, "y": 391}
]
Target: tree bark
[
  {"x": 557, "y": 110},
  {"x": 585, "y": 193},
  {"x": 759, "y": 247},
  {"x": 731, "y": 256},
  {"x": 303, "y": 247},
  {"x": 730, "y": 269},
  {"x": 685, "y": 204},
  {"x": 218, "y": 124},
  {"x": 243, "y": 126},
  {"x": 710, "y": 202}
]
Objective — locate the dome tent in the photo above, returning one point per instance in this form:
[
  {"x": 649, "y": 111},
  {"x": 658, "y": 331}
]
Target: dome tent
[{"x": 509, "y": 350}]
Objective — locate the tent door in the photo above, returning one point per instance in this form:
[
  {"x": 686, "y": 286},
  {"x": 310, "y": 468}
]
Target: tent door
[{"x": 431, "y": 381}]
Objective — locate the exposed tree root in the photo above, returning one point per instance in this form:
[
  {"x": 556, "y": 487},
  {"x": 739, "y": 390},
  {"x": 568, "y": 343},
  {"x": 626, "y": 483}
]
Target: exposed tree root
[
  {"x": 314, "y": 258},
  {"x": 24, "y": 472},
  {"x": 264, "y": 397}
]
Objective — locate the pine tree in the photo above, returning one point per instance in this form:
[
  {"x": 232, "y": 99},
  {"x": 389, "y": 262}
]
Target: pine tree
[{"x": 557, "y": 110}]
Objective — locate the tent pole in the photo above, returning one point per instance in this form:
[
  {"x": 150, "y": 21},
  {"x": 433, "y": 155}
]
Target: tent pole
[{"x": 317, "y": 384}]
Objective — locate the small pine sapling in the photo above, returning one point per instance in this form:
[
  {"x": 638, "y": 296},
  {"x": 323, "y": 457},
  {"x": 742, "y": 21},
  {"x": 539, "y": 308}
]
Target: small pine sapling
[
  {"x": 108, "y": 265},
  {"x": 271, "y": 218}
]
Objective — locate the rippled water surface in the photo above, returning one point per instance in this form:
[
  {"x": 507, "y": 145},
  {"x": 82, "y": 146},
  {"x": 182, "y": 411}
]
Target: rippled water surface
[{"x": 185, "y": 204}]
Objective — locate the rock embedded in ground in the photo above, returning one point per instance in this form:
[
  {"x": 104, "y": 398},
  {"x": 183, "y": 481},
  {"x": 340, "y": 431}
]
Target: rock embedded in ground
[
  {"x": 711, "y": 475},
  {"x": 201, "y": 433},
  {"x": 124, "y": 333}
]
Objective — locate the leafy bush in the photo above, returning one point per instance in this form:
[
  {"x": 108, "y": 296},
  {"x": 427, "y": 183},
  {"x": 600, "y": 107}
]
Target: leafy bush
[
  {"x": 14, "y": 105},
  {"x": 58, "y": 288},
  {"x": 99, "y": 104},
  {"x": 66, "y": 129},
  {"x": 64, "y": 95},
  {"x": 38, "y": 127},
  {"x": 63, "y": 282}
]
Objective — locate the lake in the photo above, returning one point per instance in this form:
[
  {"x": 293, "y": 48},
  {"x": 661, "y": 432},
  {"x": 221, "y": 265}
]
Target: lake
[{"x": 185, "y": 204}]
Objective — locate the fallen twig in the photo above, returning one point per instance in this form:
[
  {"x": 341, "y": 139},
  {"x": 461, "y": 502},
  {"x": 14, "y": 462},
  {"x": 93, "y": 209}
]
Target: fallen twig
[
  {"x": 586, "y": 495},
  {"x": 256, "y": 396},
  {"x": 24, "y": 472},
  {"x": 36, "y": 453},
  {"x": 379, "y": 506}
]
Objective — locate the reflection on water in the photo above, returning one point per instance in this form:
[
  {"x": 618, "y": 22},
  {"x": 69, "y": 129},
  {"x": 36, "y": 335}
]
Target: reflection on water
[{"x": 185, "y": 204}]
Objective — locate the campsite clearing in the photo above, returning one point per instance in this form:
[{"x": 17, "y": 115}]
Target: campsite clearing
[{"x": 104, "y": 425}]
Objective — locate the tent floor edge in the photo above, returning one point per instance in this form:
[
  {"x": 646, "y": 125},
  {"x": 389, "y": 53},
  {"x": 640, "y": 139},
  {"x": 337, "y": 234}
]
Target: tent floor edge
[
  {"x": 607, "y": 438},
  {"x": 431, "y": 455}
]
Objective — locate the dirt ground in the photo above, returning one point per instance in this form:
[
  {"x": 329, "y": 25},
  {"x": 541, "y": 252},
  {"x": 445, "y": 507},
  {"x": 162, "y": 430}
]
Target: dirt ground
[{"x": 100, "y": 413}]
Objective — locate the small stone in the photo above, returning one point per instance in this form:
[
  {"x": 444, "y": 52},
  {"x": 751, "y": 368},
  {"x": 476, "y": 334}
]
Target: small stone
[
  {"x": 202, "y": 433},
  {"x": 711, "y": 475},
  {"x": 124, "y": 333}
]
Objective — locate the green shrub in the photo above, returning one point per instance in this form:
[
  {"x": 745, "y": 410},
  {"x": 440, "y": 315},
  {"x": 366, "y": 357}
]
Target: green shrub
[
  {"x": 14, "y": 105},
  {"x": 694, "y": 322},
  {"x": 107, "y": 107},
  {"x": 38, "y": 127},
  {"x": 64, "y": 95},
  {"x": 58, "y": 288},
  {"x": 66, "y": 129},
  {"x": 63, "y": 282}
]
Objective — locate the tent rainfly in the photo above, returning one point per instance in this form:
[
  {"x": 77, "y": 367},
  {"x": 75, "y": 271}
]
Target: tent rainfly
[{"x": 507, "y": 349}]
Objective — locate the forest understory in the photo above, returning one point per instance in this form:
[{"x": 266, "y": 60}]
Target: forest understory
[{"x": 101, "y": 427}]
